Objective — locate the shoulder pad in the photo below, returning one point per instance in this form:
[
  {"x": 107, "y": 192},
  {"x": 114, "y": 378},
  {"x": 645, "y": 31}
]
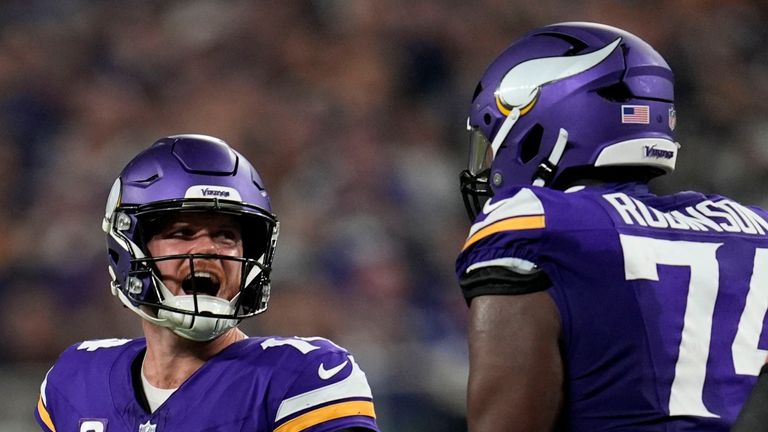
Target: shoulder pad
[
  {"x": 323, "y": 383},
  {"x": 522, "y": 211}
]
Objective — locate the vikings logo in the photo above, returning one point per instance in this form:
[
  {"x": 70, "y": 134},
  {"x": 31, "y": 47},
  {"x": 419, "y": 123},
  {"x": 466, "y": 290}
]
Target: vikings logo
[{"x": 520, "y": 87}]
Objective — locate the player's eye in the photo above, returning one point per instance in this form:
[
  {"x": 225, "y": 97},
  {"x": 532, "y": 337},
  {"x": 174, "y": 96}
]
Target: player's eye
[
  {"x": 228, "y": 236},
  {"x": 182, "y": 232}
]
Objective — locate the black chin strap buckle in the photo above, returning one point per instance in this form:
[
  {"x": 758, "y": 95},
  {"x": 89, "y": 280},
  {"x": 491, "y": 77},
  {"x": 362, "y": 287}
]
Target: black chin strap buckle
[
  {"x": 548, "y": 167},
  {"x": 475, "y": 190},
  {"x": 546, "y": 171}
]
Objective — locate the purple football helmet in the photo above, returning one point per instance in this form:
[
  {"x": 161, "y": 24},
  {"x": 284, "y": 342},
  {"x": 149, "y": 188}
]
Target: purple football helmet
[
  {"x": 188, "y": 173},
  {"x": 567, "y": 102}
]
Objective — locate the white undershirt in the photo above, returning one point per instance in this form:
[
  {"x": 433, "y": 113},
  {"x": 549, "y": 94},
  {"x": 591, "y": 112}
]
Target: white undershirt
[{"x": 155, "y": 395}]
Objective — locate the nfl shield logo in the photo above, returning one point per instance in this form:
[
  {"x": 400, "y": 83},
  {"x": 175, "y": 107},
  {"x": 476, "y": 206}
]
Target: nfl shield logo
[
  {"x": 672, "y": 118},
  {"x": 147, "y": 427}
]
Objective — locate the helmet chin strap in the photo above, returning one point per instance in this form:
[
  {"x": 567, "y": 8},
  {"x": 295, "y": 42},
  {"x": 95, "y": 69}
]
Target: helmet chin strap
[
  {"x": 154, "y": 320},
  {"x": 547, "y": 168},
  {"x": 195, "y": 327}
]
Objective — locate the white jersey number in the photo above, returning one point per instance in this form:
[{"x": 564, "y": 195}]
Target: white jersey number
[
  {"x": 642, "y": 255},
  {"x": 93, "y": 345}
]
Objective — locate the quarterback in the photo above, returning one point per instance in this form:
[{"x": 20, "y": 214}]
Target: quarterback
[
  {"x": 596, "y": 305},
  {"x": 190, "y": 241}
]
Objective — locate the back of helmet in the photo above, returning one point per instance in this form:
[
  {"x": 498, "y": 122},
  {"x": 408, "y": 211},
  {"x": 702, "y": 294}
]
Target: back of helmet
[{"x": 568, "y": 102}]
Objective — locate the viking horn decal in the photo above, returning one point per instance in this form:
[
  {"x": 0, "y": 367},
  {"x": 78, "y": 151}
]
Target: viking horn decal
[{"x": 521, "y": 84}]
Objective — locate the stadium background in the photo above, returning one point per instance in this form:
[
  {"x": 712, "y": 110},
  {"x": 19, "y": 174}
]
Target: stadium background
[{"x": 354, "y": 113}]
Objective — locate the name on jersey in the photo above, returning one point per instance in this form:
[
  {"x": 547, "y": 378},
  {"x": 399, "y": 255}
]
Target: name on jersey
[{"x": 718, "y": 216}]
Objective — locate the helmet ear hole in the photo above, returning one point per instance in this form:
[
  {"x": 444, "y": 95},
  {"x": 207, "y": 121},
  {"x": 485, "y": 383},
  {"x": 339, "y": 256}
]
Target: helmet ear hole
[
  {"x": 114, "y": 256},
  {"x": 618, "y": 92},
  {"x": 531, "y": 143}
]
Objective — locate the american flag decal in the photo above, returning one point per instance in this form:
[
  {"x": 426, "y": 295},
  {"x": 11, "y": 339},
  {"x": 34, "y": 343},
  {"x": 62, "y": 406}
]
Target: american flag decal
[{"x": 635, "y": 114}]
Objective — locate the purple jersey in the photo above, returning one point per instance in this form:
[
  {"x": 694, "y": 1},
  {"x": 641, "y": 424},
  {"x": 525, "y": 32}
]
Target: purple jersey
[
  {"x": 259, "y": 384},
  {"x": 662, "y": 299}
]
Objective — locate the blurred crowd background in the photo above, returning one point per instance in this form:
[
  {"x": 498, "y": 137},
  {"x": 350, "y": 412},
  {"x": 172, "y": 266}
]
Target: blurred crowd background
[{"x": 354, "y": 113}]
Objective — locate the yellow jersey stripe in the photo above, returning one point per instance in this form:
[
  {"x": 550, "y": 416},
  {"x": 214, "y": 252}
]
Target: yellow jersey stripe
[
  {"x": 511, "y": 224},
  {"x": 44, "y": 415},
  {"x": 330, "y": 412}
]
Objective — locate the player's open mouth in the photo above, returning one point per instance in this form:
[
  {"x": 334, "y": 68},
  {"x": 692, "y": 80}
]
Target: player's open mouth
[{"x": 202, "y": 283}]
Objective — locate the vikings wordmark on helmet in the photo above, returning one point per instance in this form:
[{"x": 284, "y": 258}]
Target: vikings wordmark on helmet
[{"x": 208, "y": 191}]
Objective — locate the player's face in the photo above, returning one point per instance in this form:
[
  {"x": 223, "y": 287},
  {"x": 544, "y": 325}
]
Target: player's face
[{"x": 199, "y": 233}]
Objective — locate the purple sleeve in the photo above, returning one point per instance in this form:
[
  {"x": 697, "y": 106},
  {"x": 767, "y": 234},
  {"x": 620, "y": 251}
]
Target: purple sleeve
[{"x": 329, "y": 393}]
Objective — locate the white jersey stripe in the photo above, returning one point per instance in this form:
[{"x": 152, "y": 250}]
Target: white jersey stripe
[
  {"x": 353, "y": 386},
  {"x": 523, "y": 203}
]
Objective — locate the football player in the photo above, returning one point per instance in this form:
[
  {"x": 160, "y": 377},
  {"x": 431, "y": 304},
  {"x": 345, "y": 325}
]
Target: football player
[
  {"x": 596, "y": 305},
  {"x": 190, "y": 240}
]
